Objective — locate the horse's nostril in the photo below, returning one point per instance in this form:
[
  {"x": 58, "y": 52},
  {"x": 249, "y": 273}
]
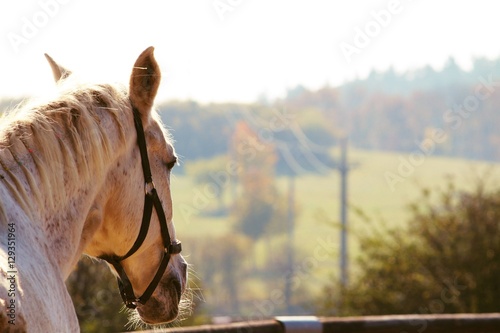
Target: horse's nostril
[{"x": 184, "y": 267}]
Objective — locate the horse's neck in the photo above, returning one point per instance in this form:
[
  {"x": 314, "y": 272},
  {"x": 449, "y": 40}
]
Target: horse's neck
[{"x": 68, "y": 218}]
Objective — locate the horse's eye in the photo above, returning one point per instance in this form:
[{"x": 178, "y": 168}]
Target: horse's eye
[{"x": 171, "y": 164}]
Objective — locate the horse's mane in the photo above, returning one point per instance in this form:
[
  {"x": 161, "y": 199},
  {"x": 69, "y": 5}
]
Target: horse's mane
[{"x": 66, "y": 139}]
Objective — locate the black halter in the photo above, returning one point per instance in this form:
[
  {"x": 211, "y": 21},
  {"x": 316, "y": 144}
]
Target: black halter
[{"x": 151, "y": 200}]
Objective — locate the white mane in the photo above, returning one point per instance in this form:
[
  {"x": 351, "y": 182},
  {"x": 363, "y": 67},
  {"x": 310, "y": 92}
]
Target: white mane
[{"x": 59, "y": 136}]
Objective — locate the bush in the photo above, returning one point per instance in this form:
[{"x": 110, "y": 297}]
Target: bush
[{"x": 446, "y": 261}]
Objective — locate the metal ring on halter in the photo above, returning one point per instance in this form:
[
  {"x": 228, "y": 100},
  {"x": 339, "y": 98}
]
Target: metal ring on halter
[{"x": 152, "y": 185}]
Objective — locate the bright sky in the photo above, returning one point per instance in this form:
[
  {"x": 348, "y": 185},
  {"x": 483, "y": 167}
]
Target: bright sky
[{"x": 243, "y": 48}]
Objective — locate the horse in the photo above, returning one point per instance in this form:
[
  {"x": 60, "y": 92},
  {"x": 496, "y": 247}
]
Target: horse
[{"x": 76, "y": 177}]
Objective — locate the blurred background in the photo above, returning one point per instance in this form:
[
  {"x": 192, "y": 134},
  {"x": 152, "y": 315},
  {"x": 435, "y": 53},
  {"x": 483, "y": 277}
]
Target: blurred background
[{"x": 336, "y": 158}]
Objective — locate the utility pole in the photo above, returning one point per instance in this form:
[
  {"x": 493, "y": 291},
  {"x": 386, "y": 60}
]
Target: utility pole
[
  {"x": 290, "y": 254},
  {"x": 344, "y": 170}
]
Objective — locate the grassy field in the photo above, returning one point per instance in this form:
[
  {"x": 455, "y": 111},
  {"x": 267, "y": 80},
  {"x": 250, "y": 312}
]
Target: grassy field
[{"x": 317, "y": 199}]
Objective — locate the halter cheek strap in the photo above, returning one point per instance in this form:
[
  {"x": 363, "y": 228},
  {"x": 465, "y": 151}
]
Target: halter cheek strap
[{"x": 151, "y": 200}]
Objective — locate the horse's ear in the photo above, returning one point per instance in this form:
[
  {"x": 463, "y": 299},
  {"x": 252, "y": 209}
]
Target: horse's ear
[
  {"x": 59, "y": 72},
  {"x": 144, "y": 82}
]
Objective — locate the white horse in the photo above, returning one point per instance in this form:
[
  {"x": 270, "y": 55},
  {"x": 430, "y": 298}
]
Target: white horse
[{"x": 74, "y": 179}]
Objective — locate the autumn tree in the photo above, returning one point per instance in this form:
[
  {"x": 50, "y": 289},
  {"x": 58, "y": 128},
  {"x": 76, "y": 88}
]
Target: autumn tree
[{"x": 259, "y": 203}]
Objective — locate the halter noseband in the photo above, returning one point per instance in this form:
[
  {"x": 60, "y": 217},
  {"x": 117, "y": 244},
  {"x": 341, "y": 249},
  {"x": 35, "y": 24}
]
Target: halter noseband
[{"x": 151, "y": 200}]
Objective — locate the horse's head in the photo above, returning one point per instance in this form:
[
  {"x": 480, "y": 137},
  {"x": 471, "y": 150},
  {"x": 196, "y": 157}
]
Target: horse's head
[{"x": 151, "y": 272}]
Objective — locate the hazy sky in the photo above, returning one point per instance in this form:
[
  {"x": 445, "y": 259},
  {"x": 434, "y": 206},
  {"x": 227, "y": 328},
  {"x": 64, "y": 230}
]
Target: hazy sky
[{"x": 234, "y": 50}]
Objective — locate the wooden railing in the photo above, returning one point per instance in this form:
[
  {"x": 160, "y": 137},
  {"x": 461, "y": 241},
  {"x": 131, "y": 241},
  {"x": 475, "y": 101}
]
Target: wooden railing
[{"x": 456, "y": 323}]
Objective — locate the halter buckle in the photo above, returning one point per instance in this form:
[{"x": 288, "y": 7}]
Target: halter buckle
[
  {"x": 149, "y": 187},
  {"x": 175, "y": 247}
]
